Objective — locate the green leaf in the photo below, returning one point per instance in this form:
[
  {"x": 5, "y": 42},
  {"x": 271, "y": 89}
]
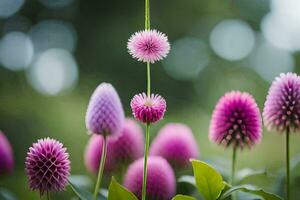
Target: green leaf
[
  {"x": 80, "y": 192},
  {"x": 208, "y": 180},
  {"x": 118, "y": 192},
  {"x": 187, "y": 179},
  {"x": 183, "y": 197},
  {"x": 252, "y": 190},
  {"x": 80, "y": 181},
  {"x": 246, "y": 173}
]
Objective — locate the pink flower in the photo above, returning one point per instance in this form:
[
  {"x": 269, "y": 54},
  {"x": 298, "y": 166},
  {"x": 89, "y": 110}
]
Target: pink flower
[
  {"x": 148, "y": 109},
  {"x": 148, "y": 46},
  {"x": 6, "y": 155},
  {"x": 282, "y": 107},
  {"x": 105, "y": 113},
  {"x": 161, "y": 183},
  {"x": 47, "y": 166},
  {"x": 176, "y": 143},
  {"x": 236, "y": 120},
  {"x": 122, "y": 149}
]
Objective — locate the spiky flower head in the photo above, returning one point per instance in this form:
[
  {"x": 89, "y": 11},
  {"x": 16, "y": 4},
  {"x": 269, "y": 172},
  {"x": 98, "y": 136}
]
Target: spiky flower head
[
  {"x": 6, "y": 155},
  {"x": 176, "y": 143},
  {"x": 236, "y": 121},
  {"x": 105, "y": 113},
  {"x": 161, "y": 184},
  {"x": 121, "y": 150},
  {"x": 148, "y": 109},
  {"x": 47, "y": 166},
  {"x": 148, "y": 46},
  {"x": 282, "y": 106}
]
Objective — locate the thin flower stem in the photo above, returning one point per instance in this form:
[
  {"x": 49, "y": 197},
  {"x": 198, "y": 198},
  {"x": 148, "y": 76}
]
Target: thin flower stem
[
  {"x": 48, "y": 196},
  {"x": 145, "y": 161},
  {"x": 147, "y": 15},
  {"x": 287, "y": 163},
  {"x": 148, "y": 80},
  {"x": 147, "y": 142},
  {"x": 233, "y": 165},
  {"x": 101, "y": 167}
]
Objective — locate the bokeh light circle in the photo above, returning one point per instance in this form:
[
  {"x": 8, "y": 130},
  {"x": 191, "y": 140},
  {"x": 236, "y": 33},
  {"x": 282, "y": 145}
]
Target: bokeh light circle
[
  {"x": 53, "y": 71},
  {"x": 16, "y": 51},
  {"x": 269, "y": 61},
  {"x": 10, "y": 7},
  {"x": 187, "y": 58},
  {"x": 53, "y": 34},
  {"x": 232, "y": 39}
]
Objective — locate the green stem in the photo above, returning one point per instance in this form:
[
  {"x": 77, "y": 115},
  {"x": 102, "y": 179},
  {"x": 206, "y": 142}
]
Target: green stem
[
  {"x": 148, "y": 80},
  {"x": 287, "y": 163},
  {"x": 48, "y": 196},
  {"x": 147, "y": 15},
  {"x": 147, "y": 142},
  {"x": 145, "y": 161},
  {"x": 233, "y": 165},
  {"x": 101, "y": 167}
]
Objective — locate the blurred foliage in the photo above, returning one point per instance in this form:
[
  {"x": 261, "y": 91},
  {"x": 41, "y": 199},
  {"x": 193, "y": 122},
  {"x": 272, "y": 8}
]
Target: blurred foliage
[{"x": 103, "y": 28}]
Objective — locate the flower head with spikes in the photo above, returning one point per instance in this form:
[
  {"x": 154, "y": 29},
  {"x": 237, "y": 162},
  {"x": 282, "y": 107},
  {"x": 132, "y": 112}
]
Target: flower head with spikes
[{"x": 236, "y": 121}]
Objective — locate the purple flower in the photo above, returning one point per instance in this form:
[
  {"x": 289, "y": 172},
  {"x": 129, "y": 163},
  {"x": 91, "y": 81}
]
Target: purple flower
[
  {"x": 47, "y": 166},
  {"x": 105, "y": 113},
  {"x": 148, "y": 109},
  {"x": 123, "y": 149},
  {"x": 161, "y": 184},
  {"x": 236, "y": 120},
  {"x": 6, "y": 155},
  {"x": 148, "y": 46},
  {"x": 175, "y": 142},
  {"x": 282, "y": 107}
]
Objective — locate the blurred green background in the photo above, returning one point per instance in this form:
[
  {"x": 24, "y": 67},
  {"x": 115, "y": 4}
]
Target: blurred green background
[{"x": 53, "y": 54}]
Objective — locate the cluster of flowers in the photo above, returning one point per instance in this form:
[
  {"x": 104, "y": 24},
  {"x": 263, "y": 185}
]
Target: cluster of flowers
[{"x": 236, "y": 121}]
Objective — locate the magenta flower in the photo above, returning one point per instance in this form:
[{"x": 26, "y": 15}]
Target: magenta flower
[
  {"x": 148, "y": 46},
  {"x": 148, "y": 109},
  {"x": 105, "y": 113},
  {"x": 47, "y": 166},
  {"x": 176, "y": 143},
  {"x": 282, "y": 107},
  {"x": 161, "y": 184},
  {"x": 123, "y": 149},
  {"x": 6, "y": 155},
  {"x": 236, "y": 120}
]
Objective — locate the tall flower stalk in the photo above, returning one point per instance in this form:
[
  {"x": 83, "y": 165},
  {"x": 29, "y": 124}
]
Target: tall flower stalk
[
  {"x": 104, "y": 116},
  {"x": 236, "y": 122},
  {"x": 148, "y": 46},
  {"x": 282, "y": 112}
]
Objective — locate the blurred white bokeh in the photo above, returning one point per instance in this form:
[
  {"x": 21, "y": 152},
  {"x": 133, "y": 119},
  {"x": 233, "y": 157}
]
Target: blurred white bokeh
[
  {"x": 10, "y": 7},
  {"x": 232, "y": 39},
  {"x": 281, "y": 26},
  {"x": 187, "y": 58},
  {"x": 16, "y": 51},
  {"x": 269, "y": 61},
  {"x": 53, "y": 34},
  {"x": 53, "y": 71}
]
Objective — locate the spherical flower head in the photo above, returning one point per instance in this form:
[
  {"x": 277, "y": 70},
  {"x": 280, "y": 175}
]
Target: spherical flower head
[
  {"x": 148, "y": 109},
  {"x": 121, "y": 150},
  {"x": 236, "y": 121},
  {"x": 105, "y": 113},
  {"x": 148, "y": 46},
  {"x": 282, "y": 106},
  {"x": 6, "y": 155},
  {"x": 47, "y": 166},
  {"x": 176, "y": 143},
  {"x": 161, "y": 184}
]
